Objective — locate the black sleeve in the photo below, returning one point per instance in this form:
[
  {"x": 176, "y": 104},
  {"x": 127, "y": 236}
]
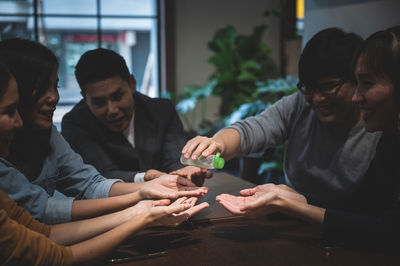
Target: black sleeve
[
  {"x": 173, "y": 143},
  {"x": 346, "y": 228},
  {"x": 92, "y": 153}
]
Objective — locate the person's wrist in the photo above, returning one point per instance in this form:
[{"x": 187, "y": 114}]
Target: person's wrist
[
  {"x": 134, "y": 197},
  {"x": 220, "y": 147},
  {"x": 143, "y": 219},
  {"x": 292, "y": 207},
  {"x": 143, "y": 194},
  {"x": 149, "y": 218},
  {"x": 280, "y": 202},
  {"x": 128, "y": 214}
]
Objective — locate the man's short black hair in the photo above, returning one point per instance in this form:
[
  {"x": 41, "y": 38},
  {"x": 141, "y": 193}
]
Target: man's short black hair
[
  {"x": 328, "y": 54},
  {"x": 100, "y": 64}
]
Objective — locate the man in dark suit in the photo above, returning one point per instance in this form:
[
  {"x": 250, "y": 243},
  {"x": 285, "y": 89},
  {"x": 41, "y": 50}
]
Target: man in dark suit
[{"x": 120, "y": 131}]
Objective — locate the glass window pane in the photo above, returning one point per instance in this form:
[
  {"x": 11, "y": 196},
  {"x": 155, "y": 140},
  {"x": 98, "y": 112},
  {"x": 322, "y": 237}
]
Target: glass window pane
[
  {"x": 76, "y": 7},
  {"x": 128, "y": 7},
  {"x": 16, "y": 7},
  {"x": 69, "y": 38},
  {"x": 136, "y": 41},
  {"x": 15, "y": 27}
]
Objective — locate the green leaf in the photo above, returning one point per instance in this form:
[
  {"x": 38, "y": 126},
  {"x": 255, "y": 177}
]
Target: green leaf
[{"x": 247, "y": 76}]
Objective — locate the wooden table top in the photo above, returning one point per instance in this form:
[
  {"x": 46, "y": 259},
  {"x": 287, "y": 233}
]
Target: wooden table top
[{"x": 214, "y": 237}]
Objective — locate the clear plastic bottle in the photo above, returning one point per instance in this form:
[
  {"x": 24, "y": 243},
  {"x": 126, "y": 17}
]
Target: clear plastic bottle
[{"x": 210, "y": 162}]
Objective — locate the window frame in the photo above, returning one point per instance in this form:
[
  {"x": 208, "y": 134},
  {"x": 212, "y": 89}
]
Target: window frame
[{"x": 160, "y": 30}]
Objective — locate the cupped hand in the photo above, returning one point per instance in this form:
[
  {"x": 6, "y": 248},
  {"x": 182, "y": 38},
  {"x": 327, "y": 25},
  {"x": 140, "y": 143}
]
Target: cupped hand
[
  {"x": 193, "y": 173},
  {"x": 176, "y": 213},
  {"x": 203, "y": 146},
  {"x": 260, "y": 200},
  {"x": 144, "y": 205},
  {"x": 170, "y": 187},
  {"x": 255, "y": 205}
]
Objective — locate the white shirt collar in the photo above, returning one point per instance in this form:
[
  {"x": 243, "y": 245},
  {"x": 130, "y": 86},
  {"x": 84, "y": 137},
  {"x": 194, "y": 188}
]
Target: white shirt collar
[{"x": 129, "y": 132}]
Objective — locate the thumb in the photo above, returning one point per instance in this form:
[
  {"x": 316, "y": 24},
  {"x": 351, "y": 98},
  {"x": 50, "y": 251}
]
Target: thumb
[
  {"x": 185, "y": 182},
  {"x": 178, "y": 208},
  {"x": 163, "y": 202},
  {"x": 247, "y": 191}
]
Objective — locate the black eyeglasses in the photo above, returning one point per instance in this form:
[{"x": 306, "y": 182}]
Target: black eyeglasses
[{"x": 328, "y": 89}]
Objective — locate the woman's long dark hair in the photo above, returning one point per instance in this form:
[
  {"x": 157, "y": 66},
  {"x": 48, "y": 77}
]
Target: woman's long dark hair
[
  {"x": 5, "y": 77},
  {"x": 379, "y": 56},
  {"x": 31, "y": 64}
]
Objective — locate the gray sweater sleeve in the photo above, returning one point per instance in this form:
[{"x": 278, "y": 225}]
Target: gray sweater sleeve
[{"x": 270, "y": 128}]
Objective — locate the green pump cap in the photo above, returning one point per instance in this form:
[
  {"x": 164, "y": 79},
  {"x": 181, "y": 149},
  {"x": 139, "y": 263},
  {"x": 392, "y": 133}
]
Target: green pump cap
[{"x": 218, "y": 162}]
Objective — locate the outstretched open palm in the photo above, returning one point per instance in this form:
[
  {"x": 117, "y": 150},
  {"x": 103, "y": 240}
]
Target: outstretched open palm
[
  {"x": 253, "y": 205},
  {"x": 176, "y": 213},
  {"x": 171, "y": 187},
  {"x": 258, "y": 201}
]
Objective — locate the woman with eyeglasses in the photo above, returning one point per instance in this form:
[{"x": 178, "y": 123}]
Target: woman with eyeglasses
[
  {"x": 328, "y": 150},
  {"x": 377, "y": 71}
]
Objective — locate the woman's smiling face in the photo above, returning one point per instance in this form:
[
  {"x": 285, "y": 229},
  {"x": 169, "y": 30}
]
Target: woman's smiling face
[
  {"x": 10, "y": 120},
  {"x": 376, "y": 99},
  {"x": 41, "y": 113}
]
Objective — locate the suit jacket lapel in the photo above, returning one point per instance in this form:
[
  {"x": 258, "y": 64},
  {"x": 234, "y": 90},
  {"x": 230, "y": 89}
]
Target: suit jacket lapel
[{"x": 145, "y": 136}]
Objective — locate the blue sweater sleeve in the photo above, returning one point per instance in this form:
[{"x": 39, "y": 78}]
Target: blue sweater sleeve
[
  {"x": 75, "y": 178},
  {"x": 32, "y": 198}
]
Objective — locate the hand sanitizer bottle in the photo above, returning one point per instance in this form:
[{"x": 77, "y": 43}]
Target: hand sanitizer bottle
[{"x": 210, "y": 162}]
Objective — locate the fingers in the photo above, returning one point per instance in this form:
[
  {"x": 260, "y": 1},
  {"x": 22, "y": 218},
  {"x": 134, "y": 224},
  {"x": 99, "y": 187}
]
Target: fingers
[
  {"x": 192, "y": 192},
  {"x": 192, "y": 201},
  {"x": 232, "y": 208},
  {"x": 178, "y": 208},
  {"x": 195, "y": 209},
  {"x": 163, "y": 202},
  {"x": 226, "y": 197},
  {"x": 179, "y": 201},
  {"x": 205, "y": 145},
  {"x": 195, "y": 147},
  {"x": 248, "y": 192},
  {"x": 185, "y": 182},
  {"x": 261, "y": 202},
  {"x": 191, "y": 145},
  {"x": 213, "y": 148},
  {"x": 203, "y": 190}
]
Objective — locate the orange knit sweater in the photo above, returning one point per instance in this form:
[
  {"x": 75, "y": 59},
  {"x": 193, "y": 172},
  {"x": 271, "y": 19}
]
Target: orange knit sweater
[{"x": 24, "y": 240}]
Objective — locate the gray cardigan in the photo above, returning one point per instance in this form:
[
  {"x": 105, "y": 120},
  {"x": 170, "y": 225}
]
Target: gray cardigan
[{"x": 326, "y": 167}]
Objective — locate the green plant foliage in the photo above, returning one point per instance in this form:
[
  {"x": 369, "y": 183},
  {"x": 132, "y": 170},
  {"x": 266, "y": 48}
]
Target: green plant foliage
[
  {"x": 240, "y": 62},
  {"x": 242, "y": 78},
  {"x": 267, "y": 93}
]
